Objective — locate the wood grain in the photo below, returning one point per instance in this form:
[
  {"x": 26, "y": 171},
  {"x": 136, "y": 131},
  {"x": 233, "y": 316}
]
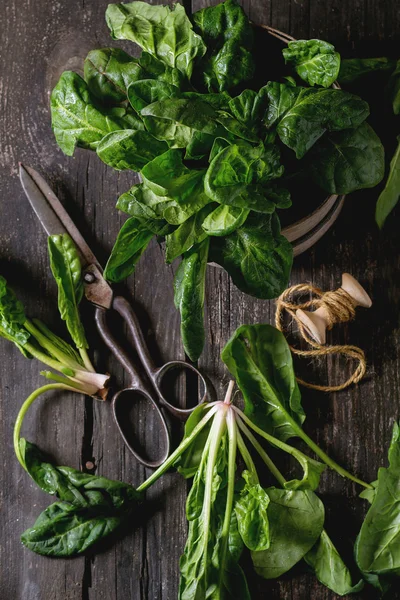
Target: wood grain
[{"x": 39, "y": 40}]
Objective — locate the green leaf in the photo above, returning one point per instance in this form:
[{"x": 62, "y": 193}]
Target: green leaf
[
  {"x": 159, "y": 70},
  {"x": 394, "y": 89},
  {"x": 235, "y": 176},
  {"x": 345, "y": 161},
  {"x": 188, "y": 234},
  {"x": 316, "y": 111},
  {"x": 109, "y": 72},
  {"x": 12, "y": 316},
  {"x": 390, "y": 195},
  {"x": 378, "y": 543},
  {"x": 353, "y": 68},
  {"x": 312, "y": 470},
  {"x": 147, "y": 91},
  {"x": 129, "y": 149},
  {"x": 164, "y": 32},
  {"x": 249, "y": 107},
  {"x": 329, "y": 567},
  {"x": 74, "y": 117},
  {"x": 224, "y": 220},
  {"x": 188, "y": 462},
  {"x": 315, "y": 61},
  {"x": 228, "y": 35},
  {"x": 256, "y": 256},
  {"x": 260, "y": 360},
  {"x": 251, "y": 513},
  {"x": 296, "y": 519},
  {"x": 280, "y": 98},
  {"x": 91, "y": 507},
  {"x": 129, "y": 246},
  {"x": 66, "y": 268},
  {"x": 189, "y": 288}
]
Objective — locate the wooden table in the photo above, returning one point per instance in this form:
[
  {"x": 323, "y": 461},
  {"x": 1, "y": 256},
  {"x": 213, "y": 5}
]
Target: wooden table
[{"x": 38, "y": 41}]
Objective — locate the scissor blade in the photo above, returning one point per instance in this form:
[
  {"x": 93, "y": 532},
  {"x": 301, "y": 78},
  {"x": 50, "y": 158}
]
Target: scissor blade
[{"x": 51, "y": 213}]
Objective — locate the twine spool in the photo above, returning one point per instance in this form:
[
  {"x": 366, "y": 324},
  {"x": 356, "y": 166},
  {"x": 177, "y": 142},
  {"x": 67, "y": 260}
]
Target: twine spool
[{"x": 331, "y": 307}]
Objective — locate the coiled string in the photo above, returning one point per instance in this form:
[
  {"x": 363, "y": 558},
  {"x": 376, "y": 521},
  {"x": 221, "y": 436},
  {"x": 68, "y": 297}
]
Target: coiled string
[{"x": 340, "y": 307}]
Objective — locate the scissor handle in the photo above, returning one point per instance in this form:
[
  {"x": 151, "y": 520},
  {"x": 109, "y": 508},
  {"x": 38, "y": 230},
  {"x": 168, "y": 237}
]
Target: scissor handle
[
  {"x": 179, "y": 413},
  {"x": 117, "y": 400}
]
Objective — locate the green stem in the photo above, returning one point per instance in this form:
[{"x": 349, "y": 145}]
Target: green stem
[
  {"x": 327, "y": 460},
  {"x": 65, "y": 380},
  {"x": 250, "y": 466},
  {"x": 24, "y": 409},
  {"x": 44, "y": 341},
  {"x": 44, "y": 358},
  {"x": 270, "y": 464},
  {"x": 180, "y": 449},
  {"x": 86, "y": 360}
]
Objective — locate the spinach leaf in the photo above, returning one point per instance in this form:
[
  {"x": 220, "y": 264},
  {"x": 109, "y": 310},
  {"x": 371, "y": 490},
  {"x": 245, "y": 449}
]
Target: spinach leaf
[
  {"x": 329, "y": 567},
  {"x": 12, "y": 317},
  {"x": 66, "y": 268},
  {"x": 256, "y": 256},
  {"x": 259, "y": 358},
  {"x": 142, "y": 203},
  {"x": 349, "y": 160},
  {"x": 75, "y": 118},
  {"x": 129, "y": 149},
  {"x": 315, "y": 61},
  {"x": 219, "y": 101},
  {"x": 224, "y": 220},
  {"x": 315, "y": 111},
  {"x": 188, "y": 234},
  {"x": 109, "y": 72},
  {"x": 249, "y": 107},
  {"x": 280, "y": 98},
  {"x": 164, "y": 32},
  {"x": 159, "y": 70},
  {"x": 235, "y": 174},
  {"x": 91, "y": 507},
  {"x": 236, "y": 129},
  {"x": 132, "y": 241},
  {"x": 189, "y": 288},
  {"x": 228, "y": 35},
  {"x": 377, "y": 546},
  {"x": 296, "y": 519},
  {"x": 251, "y": 513},
  {"x": 189, "y": 461},
  {"x": 390, "y": 195},
  {"x": 394, "y": 89},
  {"x": 146, "y": 91},
  {"x": 353, "y": 68}
]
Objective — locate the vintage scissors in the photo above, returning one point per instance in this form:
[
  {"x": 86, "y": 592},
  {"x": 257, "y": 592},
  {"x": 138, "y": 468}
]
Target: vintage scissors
[{"x": 55, "y": 220}]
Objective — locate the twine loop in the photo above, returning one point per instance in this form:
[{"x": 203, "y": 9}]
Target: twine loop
[{"x": 339, "y": 308}]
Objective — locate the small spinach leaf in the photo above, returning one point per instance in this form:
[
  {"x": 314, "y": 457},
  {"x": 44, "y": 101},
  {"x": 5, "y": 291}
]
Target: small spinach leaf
[
  {"x": 66, "y": 268},
  {"x": 132, "y": 241},
  {"x": 315, "y": 61},
  {"x": 251, "y": 513},
  {"x": 12, "y": 317},
  {"x": 224, "y": 220},
  {"x": 189, "y": 288},
  {"x": 188, "y": 234}
]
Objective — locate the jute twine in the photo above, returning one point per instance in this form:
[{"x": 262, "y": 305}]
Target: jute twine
[{"x": 340, "y": 307}]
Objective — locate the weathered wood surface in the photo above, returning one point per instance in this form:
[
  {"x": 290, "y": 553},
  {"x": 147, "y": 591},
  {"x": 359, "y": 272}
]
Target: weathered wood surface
[{"x": 38, "y": 40}]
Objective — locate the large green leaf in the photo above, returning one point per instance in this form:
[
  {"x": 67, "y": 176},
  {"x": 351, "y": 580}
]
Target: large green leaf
[
  {"x": 91, "y": 507},
  {"x": 228, "y": 35},
  {"x": 109, "y": 72},
  {"x": 353, "y": 68},
  {"x": 189, "y": 288},
  {"x": 12, "y": 316},
  {"x": 329, "y": 567},
  {"x": 66, "y": 268},
  {"x": 378, "y": 543},
  {"x": 390, "y": 195},
  {"x": 164, "y": 32},
  {"x": 315, "y": 61},
  {"x": 129, "y": 149},
  {"x": 280, "y": 98},
  {"x": 349, "y": 160},
  {"x": 315, "y": 111},
  {"x": 260, "y": 360},
  {"x": 74, "y": 117},
  {"x": 256, "y": 256},
  {"x": 129, "y": 246},
  {"x": 296, "y": 520},
  {"x": 237, "y": 173}
]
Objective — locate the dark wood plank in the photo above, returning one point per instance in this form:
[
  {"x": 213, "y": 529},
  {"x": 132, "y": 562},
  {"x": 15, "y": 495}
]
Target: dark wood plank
[{"x": 39, "y": 41}]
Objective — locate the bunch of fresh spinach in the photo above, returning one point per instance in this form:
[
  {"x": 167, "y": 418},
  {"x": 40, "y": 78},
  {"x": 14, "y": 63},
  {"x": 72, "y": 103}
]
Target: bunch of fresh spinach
[
  {"x": 208, "y": 150},
  {"x": 228, "y": 509},
  {"x": 35, "y": 340}
]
